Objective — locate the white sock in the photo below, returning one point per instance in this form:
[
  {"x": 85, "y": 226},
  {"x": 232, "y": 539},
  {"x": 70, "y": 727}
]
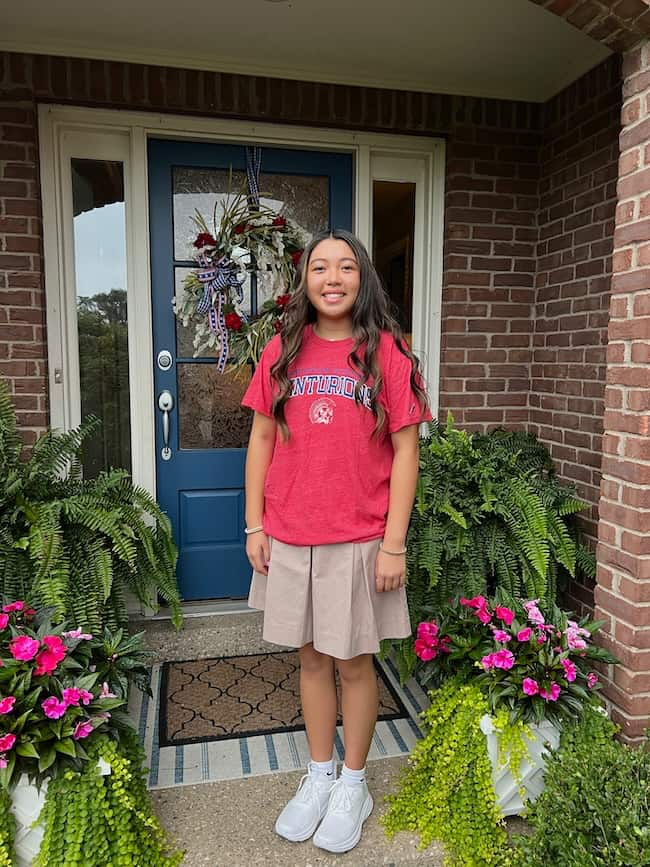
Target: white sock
[
  {"x": 353, "y": 778},
  {"x": 326, "y": 768}
]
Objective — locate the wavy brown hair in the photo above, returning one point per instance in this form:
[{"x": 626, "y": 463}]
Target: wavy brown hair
[{"x": 371, "y": 315}]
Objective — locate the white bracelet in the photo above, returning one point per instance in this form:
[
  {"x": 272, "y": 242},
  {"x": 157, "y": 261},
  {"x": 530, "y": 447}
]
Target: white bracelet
[
  {"x": 252, "y": 530},
  {"x": 392, "y": 553}
]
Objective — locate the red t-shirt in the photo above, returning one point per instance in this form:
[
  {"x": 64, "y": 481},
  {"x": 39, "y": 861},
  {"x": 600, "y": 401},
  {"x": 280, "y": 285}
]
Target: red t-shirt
[{"x": 330, "y": 481}]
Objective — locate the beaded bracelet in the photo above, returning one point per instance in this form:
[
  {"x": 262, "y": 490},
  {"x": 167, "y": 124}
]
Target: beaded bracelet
[{"x": 392, "y": 553}]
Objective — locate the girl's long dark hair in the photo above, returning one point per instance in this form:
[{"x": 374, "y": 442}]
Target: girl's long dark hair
[{"x": 370, "y": 316}]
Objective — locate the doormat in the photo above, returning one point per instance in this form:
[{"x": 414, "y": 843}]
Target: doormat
[
  {"x": 218, "y": 755},
  {"x": 242, "y": 696}
]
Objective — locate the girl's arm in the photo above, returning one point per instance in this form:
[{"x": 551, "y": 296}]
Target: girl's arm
[
  {"x": 390, "y": 570},
  {"x": 260, "y": 452}
]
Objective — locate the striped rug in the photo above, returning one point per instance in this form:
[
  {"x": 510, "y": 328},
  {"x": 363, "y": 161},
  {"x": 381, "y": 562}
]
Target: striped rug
[{"x": 227, "y": 759}]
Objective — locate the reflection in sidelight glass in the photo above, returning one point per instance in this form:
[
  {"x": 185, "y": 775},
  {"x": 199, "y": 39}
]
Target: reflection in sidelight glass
[
  {"x": 393, "y": 205},
  {"x": 100, "y": 275}
]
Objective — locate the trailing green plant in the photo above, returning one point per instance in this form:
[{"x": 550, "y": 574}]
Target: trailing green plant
[
  {"x": 78, "y": 545},
  {"x": 97, "y": 820},
  {"x": 489, "y": 512},
  {"x": 7, "y": 830},
  {"x": 595, "y": 809},
  {"x": 446, "y": 790}
]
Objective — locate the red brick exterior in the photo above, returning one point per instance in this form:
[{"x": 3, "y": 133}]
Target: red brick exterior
[
  {"x": 623, "y": 591},
  {"x": 619, "y": 24}
]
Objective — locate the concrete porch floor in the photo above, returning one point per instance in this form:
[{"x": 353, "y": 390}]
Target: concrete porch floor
[{"x": 230, "y": 823}]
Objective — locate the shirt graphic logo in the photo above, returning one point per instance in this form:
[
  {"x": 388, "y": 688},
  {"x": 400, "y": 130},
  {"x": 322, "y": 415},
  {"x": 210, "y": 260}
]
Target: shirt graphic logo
[{"x": 322, "y": 411}]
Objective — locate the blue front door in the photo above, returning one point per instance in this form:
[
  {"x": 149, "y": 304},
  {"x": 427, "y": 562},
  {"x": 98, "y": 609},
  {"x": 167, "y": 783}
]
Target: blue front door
[{"x": 200, "y": 479}]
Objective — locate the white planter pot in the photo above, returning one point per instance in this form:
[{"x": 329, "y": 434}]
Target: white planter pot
[
  {"x": 531, "y": 770},
  {"x": 26, "y": 805}
]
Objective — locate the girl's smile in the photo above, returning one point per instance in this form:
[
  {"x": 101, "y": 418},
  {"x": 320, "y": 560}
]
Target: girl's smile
[{"x": 333, "y": 282}]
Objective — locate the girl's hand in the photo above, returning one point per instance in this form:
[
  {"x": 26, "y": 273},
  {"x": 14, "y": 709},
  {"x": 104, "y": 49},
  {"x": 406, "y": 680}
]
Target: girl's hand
[
  {"x": 258, "y": 552},
  {"x": 390, "y": 572}
]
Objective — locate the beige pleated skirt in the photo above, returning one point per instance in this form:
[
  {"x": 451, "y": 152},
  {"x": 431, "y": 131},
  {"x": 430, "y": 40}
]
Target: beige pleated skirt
[{"x": 326, "y": 594}]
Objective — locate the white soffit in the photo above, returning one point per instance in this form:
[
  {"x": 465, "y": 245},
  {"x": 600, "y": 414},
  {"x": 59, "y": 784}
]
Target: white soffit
[{"x": 508, "y": 49}]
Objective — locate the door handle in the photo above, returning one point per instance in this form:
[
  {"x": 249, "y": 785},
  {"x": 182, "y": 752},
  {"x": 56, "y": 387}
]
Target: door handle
[{"x": 165, "y": 405}]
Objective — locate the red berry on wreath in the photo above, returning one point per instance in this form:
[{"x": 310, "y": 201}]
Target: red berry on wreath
[
  {"x": 233, "y": 321},
  {"x": 296, "y": 256},
  {"x": 279, "y": 221},
  {"x": 283, "y": 300},
  {"x": 205, "y": 239}
]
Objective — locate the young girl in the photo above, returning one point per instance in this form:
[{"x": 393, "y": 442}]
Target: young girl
[{"x": 330, "y": 481}]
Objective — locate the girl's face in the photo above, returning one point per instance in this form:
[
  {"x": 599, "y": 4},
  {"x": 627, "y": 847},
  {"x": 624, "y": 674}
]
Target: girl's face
[{"x": 333, "y": 280}]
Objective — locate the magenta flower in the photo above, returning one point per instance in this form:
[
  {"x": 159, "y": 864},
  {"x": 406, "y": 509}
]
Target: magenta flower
[
  {"x": 570, "y": 670},
  {"x": 4, "y": 620},
  {"x": 533, "y": 612},
  {"x": 72, "y": 695},
  {"x": 13, "y": 606},
  {"x": 424, "y": 650},
  {"x": 501, "y": 635},
  {"x": 524, "y": 634},
  {"x": 483, "y": 615},
  {"x": 475, "y": 602},
  {"x": 505, "y": 614},
  {"x": 541, "y": 638},
  {"x": 23, "y": 647},
  {"x": 3, "y": 763},
  {"x": 106, "y": 693},
  {"x": 7, "y": 704},
  {"x": 82, "y": 730},
  {"x": 53, "y": 708},
  {"x": 77, "y": 633},
  {"x": 504, "y": 659},
  {"x": 428, "y": 632},
  {"x": 6, "y": 742},
  {"x": 574, "y": 636},
  {"x": 530, "y": 686},
  {"x": 592, "y": 679},
  {"x": 488, "y": 661},
  {"x": 552, "y": 694},
  {"x": 86, "y": 697}
]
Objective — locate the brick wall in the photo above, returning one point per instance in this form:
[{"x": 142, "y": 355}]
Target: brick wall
[
  {"x": 623, "y": 591},
  {"x": 578, "y": 171}
]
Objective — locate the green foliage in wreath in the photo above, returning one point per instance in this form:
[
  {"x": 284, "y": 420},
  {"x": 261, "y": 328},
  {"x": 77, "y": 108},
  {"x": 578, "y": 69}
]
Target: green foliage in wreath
[
  {"x": 489, "y": 512},
  {"x": 78, "y": 545},
  {"x": 7, "y": 830},
  {"x": 595, "y": 809},
  {"x": 95, "y": 820},
  {"x": 446, "y": 791}
]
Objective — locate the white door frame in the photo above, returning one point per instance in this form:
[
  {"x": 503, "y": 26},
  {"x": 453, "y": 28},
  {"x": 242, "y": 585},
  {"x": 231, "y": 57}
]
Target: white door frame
[{"x": 66, "y": 132}]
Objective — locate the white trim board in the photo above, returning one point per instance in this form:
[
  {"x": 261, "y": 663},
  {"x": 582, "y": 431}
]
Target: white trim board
[{"x": 66, "y": 132}]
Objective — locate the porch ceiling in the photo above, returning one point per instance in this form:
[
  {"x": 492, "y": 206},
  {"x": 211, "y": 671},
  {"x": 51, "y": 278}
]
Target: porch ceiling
[{"x": 510, "y": 49}]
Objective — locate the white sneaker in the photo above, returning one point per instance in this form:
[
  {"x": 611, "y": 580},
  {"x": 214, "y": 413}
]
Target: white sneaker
[
  {"x": 349, "y": 807},
  {"x": 300, "y": 818}
]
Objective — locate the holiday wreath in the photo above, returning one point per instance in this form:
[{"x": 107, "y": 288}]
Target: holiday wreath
[{"x": 246, "y": 237}]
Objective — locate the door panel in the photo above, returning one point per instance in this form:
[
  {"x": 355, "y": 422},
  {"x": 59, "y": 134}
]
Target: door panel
[{"x": 201, "y": 486}]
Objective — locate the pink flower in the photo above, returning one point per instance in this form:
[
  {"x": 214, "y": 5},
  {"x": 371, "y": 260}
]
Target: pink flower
[
  {"x": 7, "y": 704},
  {"x": 53, "y": 708},
  {"x": 4, "y": 620},
  {"x": 530, "y": 686},
  {"x": 534, "y": 614},
  {"x": 574, "y": 635},
  {"x": 488, "y": 661},
  {"x": 569, "y": 670},
  {"x": 106, "y": 693},
  {"x": 474, "y": 602},
  {"x": 3, "y": 763},
  {"x": 14, "y": 606},
  {"x": 6, "y": 742},
  {"x": 77, "y": 633},
  {"x": 592, "y": 679},
  {"x": 552, "y": 694},
  {"x": 86, "y": 697},
  {"x": 541, "y": 638},
  {"x": 46, "y": 662},
  {"x": 428, "y": 632},
  {"x": 71, "y": 695},
  {"x": 483, "y": 615},
  {"x": 504, "y": 614},
  {"x": 504, "y": 659},
  {"x": 501, "y": 635},
  {"x": 82, "y": 730},
  {"x": 23, "y": 648},
  {"x": 524, "y": 634},
  {"x": 424, "y": 650}
]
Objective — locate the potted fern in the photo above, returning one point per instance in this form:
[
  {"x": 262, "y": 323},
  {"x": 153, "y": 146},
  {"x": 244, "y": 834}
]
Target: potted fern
[{"x": 78, "y": 545}]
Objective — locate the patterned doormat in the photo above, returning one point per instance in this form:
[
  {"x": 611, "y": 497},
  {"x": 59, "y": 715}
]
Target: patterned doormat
[
  {"x": 232, "y": 717},
  {"x": 242, "y": 696}
]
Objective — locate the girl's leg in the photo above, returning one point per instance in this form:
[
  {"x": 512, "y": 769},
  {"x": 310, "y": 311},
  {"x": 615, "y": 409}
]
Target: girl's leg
[
  {"x": 360, "y": 705},
  {"x": 318, "y": 695}
]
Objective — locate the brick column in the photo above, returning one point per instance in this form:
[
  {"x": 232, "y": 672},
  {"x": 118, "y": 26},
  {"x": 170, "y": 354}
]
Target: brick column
[{"x": 623, "y": 591}]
